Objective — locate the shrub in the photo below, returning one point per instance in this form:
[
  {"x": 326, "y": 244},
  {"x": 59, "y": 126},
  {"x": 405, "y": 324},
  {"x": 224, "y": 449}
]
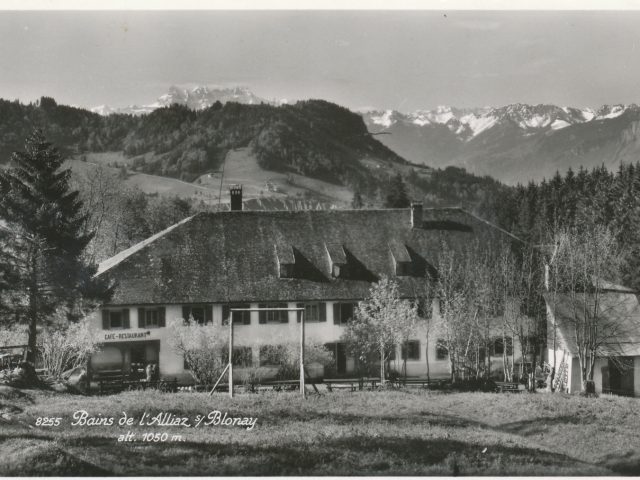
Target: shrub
[{"x": 67, "y": 348}]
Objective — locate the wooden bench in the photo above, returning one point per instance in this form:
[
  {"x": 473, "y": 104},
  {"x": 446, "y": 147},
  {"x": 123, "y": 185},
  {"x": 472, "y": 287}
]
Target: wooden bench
[
  {"x": 512, "y": 387},
  {"x": 162, "y": 385},
  {"x": 280, "y": 385},
  {"x": 351, "y": 384}
]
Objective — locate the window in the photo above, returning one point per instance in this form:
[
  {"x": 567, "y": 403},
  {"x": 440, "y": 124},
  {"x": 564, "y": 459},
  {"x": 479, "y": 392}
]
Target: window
[
  {"x": 201, "y": 314},
  {"x": 313, "y": 312},
  {"x": 151, "y": 317},
  {"x": 425, "y": 308},
  {"x": 442, "y": 352},
  {"x": 115, "y": 319},
  {"x": 411, "y": 350},
  {"x": 239, "y": 318},
  {"x": 273, "y": 316},
  {"x": 498, "y": 346},
  {"x": 242, "y": 356},
  {"x": 343, "y": 312},
  {"x": 271, "y": 355}
]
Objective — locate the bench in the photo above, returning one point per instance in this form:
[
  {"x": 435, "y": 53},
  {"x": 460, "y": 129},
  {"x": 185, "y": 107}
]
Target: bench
[
  {"x": 351, "y": 384},
  {"x": 162, "y": 385},
  {"x": 280, "y": 385},
  {"x": 513, "y": 387}
]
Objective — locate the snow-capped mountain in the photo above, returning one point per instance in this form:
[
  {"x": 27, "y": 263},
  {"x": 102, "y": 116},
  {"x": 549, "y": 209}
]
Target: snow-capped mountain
[
  {"x": 195, "y": 97},
  {"x": 515, "y": 142},
  {"x": 470, "y": 122}
]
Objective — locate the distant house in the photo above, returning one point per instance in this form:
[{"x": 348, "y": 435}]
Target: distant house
[
  {"x": 322, "y": 260},
  {"x": 617, "y": 370}
]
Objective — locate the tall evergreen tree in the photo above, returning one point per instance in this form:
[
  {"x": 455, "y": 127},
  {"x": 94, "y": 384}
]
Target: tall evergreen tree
[
  {"x": 44, "y": 241},
  {"x": 397, "y": 196}
]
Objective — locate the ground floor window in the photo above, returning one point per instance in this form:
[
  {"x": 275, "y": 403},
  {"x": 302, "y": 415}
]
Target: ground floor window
[
  {"x": 411, "y": 350},
  {"x": 273, "y": 316},
  {"x": 313, "y": 311},
  {"x": 115, "y": 319},
  {"x": 201, "y": 314},
  {"x": 343, "y": 312},
  {"x": 442, "y": 352},
  {"x": 239, "y": 318},
  {"x": 151, "y": 317}
]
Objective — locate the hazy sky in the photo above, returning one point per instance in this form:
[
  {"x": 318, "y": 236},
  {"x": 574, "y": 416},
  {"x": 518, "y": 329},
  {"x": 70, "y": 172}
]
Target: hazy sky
[{"x": 401, "y": 60}]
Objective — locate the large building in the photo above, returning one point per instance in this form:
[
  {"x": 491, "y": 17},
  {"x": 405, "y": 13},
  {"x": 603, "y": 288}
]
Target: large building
[{"x": 322, "y": 260}]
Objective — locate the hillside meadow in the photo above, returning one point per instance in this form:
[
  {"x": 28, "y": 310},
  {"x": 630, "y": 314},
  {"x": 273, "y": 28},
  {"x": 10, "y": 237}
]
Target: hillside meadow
[{"x": 361, "y": 433}]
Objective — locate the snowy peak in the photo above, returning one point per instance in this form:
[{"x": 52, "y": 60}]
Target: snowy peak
[
  {"x": 196, "y": 97},
  {"x": 467, "y": 123}
]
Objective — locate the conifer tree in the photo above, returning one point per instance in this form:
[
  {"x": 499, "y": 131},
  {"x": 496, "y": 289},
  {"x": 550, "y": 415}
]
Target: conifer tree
[
  {"x": 42, "y": 251},
  {"x": 397, "y": 196}
]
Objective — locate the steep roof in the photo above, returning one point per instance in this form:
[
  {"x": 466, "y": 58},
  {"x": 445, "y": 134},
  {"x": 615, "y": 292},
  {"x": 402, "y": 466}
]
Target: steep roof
[
  {"x": 233, "y": 256},
  {"x": 618, "y": 321}
]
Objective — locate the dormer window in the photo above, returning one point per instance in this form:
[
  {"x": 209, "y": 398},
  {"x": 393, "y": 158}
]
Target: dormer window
[
  {"x": 286, "y": 260},
  {"x": 401, "y": 259},
  {"x": 337, "y": 259}
]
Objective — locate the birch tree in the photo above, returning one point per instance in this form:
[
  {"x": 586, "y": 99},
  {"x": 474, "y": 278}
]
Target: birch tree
[{"x": 382, "y": 321}]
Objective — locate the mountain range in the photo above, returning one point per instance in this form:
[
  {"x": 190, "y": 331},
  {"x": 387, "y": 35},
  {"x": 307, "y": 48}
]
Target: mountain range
[
  {"x": 195, "y": 97},
  {"x": 513, "y": 143}
]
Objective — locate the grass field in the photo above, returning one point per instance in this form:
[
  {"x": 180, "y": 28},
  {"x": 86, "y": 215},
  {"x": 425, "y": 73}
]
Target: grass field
[
  {"x": 361, "y": 433},
  {"x": 240, "y": 167}
]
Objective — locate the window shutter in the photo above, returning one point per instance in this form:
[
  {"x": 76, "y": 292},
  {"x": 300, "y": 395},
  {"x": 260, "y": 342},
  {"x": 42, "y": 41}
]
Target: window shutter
[
  {"x": 262, "y": 315},
  {"x": 322, "y": 313},
  {"x": 141, "y": 319},
  {"x": 336, "y": 313},
  {"x": 284, "y": 316},
  {"x": 299, "y": 314},
  {"x": 162, "y": 315},
  {"x": 105, "y": 320},
  {"x": 246, "y": 317},
  {"x": 185, "y": 313},
  {"x": 125, "y": 318},
  {"x": 208, "y": 314},
  {"x": 226, "y": 313}
]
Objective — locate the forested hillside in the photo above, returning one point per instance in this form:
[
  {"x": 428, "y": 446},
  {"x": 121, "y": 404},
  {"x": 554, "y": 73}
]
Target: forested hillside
[
  {"x": 313, "y": 138},
  {"x": 535, "y": 211}
]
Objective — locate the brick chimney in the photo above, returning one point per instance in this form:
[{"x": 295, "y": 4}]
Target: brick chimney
[
  {"x": 416, "y": 215},
  {"x": 235, "y": 191}
]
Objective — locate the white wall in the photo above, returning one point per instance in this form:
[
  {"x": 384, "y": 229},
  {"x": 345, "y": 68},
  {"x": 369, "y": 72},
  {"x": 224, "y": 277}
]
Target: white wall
[{"x": 256, "y": 334}]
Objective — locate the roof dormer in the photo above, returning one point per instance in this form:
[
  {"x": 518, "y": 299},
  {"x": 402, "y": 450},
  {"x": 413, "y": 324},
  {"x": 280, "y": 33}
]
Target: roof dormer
[
  {"x": 402, "y": 264},
  {"x": 286, "y": 260},
  {"x": 337, "y": 259}
]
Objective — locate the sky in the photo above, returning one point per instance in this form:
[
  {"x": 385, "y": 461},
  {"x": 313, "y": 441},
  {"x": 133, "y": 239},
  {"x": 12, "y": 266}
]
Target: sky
[{"x": 403, "y": 60}]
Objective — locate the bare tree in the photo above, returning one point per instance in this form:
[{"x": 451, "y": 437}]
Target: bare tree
[
  {"x": 382, "y": 321},
  {"x": 587, "y": 259}
]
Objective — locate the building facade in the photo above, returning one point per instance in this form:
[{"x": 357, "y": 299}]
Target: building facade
[{"x": 322, "y": 261}]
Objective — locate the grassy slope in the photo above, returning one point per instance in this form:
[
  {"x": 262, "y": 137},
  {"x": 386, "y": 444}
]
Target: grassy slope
[
  {"x": 240, "y": 167},
  {"x": 383, "y": 433}
]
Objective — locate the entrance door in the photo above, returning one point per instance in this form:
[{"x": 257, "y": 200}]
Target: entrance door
[
  {"x": 621, "y": 376},
  {"x": 341, "y": 360}
]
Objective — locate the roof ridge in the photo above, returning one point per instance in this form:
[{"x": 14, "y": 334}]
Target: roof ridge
[{"x": 124, "y": 254}]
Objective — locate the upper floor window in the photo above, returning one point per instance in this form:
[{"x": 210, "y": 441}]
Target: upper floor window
[
  {"x": 201, "y": 314},
  {"x": 313, "y": 311},
  {"x": 239, "y": 317},
  {"x": 343, "y": 312},
  {"x": 151, "y": 317},
  {"x": 273, "y": 316},
  {"x": 115, "y": 319}
]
